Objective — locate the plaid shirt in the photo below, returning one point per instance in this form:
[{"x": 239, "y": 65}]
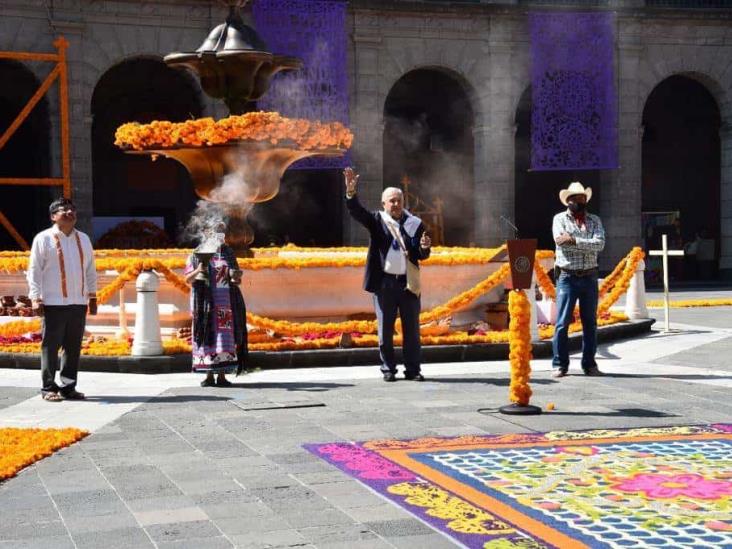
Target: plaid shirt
[{"x": 590, "y": 240}]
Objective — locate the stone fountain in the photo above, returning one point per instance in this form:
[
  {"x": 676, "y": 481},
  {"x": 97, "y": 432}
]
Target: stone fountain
[{"x": 234, "y": 64}]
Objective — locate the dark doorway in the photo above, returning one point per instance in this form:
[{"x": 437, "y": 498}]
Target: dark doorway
[
  {"x": 537, "y": 193},
  {"x": 141, "y": 90},
  {"x": 428, "y": 142},
  {"x": 26, "y": 154},
  {"x": 681, "y": 176},
  {"x": 308, "y": 211}
]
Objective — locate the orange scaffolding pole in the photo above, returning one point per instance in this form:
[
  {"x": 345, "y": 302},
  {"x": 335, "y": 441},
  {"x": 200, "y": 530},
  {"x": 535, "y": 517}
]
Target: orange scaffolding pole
[{"x": 58, "y": 72}]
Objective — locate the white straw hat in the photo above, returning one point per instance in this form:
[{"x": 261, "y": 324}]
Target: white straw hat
[{"x": 575, "y": 187}]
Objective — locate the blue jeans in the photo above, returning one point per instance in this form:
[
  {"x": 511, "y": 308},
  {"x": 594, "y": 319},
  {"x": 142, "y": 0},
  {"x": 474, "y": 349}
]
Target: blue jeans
[{"x": 570, "y": 289}]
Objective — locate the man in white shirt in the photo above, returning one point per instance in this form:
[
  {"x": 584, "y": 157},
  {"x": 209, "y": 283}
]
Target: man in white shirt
[
  {"x": 397, "y": 239},
  {"x": 62, "y": 279}
]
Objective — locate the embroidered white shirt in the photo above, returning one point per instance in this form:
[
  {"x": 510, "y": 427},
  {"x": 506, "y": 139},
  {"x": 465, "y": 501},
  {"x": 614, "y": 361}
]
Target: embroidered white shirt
[{"x": 48, "y": 280}]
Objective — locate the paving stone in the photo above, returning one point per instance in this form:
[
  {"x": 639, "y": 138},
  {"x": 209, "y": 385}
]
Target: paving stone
[
  {"x": 89, "y": 503},
  {"x": 126, "y": 538},
  {"x": 230, "y": 497},
  {"x": 21, "y": 517},
  {"x": 228, "y": 510},
  {"x": 343, "y": 534},
  {"x": 182, "y": 531},
  {"x": 220, "y": 542},
  {"x": 374, "y": 543},
  {"x": 99, "y": 523},
  {"x": 28, "y": 530},
  {"x": 242, "y": 524},
  {"x": 159, "y": 503},
  {"x": 166, "y": 516},
  {"x": 144, "y": 490},
  {"x": 199, "y": 485},
  {"x": 35, "y": 503},
  {"x": 304, "y": 518},
  {"x": 52, "y": 542},
  {"x": 263, "y": 480},
  {"x": 398, "y": 528},
  {"x": 260, "y": 540},
  {"x": 381, "y": 512},
  {"x": 75, "y": 481}
]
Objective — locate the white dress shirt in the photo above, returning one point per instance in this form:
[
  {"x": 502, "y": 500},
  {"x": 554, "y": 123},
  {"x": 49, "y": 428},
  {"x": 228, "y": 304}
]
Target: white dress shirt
[
  {"x": 53, "y": 283},
  {"x": 396, "y": 260}
]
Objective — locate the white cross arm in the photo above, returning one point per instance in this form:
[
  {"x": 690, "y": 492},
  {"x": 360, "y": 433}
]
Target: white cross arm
[{"x": 666, "y": 252}]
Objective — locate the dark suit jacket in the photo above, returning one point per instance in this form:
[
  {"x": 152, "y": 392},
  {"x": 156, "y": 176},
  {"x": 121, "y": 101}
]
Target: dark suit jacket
[{"x": 380, "y": 242}]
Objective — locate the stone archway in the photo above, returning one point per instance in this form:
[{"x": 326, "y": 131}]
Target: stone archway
[
  {"x": 26, "y": 154},
  {"x": 537, "y": 193},
  {"x": 141, "y": 90},
  {"x": 428, "y": 138},
  {"x": 681, "y": 174}
]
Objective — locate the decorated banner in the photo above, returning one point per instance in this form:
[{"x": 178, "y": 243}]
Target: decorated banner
[
  {"x": 315, "y": 32},
  {"x": 574, "y": 113}
]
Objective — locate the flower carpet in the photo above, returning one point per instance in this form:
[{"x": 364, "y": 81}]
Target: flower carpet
[
  {"x": 22, "y": 447},
  {"x": 643, "y": 487}
]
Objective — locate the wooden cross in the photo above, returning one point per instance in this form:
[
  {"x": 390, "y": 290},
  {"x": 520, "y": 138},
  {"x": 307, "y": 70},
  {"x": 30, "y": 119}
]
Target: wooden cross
[{"x": 664, "y": 252}]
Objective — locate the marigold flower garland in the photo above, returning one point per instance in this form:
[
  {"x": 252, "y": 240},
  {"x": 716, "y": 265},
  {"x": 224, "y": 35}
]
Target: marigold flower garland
[
  {"x": 519, "y": 340},
  {"x": 621, "y": 286},
  {"x": 683, "y": 303},
  {"x": 268, "y": 127},
  {"x": 18, "y": 328},
  {"x": 22, "y": 447},
  {"x": 544, "y": 282}
]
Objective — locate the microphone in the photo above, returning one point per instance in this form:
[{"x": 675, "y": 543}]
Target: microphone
[{"x": 514, "y": 227}]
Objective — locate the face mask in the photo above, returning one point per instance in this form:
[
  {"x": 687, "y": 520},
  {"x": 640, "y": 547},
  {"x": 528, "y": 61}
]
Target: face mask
[{"x": 577, "y": 207}]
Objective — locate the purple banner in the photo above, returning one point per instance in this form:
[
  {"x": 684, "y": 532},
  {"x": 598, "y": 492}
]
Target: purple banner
[
  {"x": 315, "y": 32},
  {"x": 574, "y": 111}
]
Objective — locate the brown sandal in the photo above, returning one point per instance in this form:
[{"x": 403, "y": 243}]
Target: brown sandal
[{"x": 52, "y": 397}]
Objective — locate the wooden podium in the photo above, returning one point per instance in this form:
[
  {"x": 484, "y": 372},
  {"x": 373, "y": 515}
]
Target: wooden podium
[{"x": 521, "y": 254}]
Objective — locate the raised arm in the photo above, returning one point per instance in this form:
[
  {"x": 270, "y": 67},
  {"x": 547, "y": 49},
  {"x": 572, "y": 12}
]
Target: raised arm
[{"x": 355, "y": 208}]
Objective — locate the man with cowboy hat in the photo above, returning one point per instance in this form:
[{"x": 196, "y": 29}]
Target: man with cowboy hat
[{"x": 579, "y": 237}]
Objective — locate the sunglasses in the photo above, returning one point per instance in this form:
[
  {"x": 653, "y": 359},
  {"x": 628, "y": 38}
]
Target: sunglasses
[{"x": 64, "y": 209}]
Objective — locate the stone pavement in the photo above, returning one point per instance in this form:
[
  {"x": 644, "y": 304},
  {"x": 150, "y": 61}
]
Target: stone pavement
[{"x": 174, "y": 465}]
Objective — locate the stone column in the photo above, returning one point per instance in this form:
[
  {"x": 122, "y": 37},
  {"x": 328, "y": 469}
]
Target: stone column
[
  {"x": 620, "y": 207},
  {"x": 147, "y": 318},
  {"x": 494, "y": 151},
  {"x": 80, "y": 121},
  {"x": 368, "y": 129},
  {"x": 725, "y": 201}
]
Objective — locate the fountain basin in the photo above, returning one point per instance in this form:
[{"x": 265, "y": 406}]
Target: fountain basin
[{"x": 258, "y": 166}]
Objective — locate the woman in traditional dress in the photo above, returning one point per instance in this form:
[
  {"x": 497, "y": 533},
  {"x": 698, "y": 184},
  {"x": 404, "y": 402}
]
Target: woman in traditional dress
[{"x": 219, "y": 330}]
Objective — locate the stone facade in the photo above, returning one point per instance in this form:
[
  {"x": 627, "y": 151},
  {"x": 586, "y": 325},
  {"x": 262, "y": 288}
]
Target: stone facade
[{"x": 484, "y": 46}]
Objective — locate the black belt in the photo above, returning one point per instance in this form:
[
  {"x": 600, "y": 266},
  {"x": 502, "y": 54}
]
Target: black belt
[
  {"x": 579, "y": 272},
  {"x": 396, "y": 277}
]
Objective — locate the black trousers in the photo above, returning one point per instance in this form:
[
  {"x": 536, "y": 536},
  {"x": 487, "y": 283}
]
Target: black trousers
[
  {"x": 393, "y": 298},
  {"x": 63, "y": 327}
]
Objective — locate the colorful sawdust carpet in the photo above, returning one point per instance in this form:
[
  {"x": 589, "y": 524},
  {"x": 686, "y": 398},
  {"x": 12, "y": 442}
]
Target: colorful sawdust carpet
[{"x": 646, "y": 487}]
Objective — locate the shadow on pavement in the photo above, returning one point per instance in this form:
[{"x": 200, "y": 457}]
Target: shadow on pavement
[
  {"x": 620, "y": 412},
  {"x": 500, "y": 382},
  {"x": 668, "y": 376},
  {"x": 310, "y": 386},
  {"x": 172, "y": 399}
]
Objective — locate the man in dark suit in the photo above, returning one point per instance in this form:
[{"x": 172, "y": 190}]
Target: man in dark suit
[{"x": 396, "y": 237}]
